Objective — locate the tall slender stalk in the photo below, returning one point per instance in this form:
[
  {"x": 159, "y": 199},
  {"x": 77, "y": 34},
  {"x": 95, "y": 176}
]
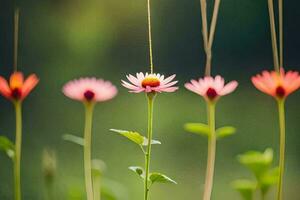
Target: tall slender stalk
[
  {"x": 273, "y": 35},
  {"x": 281, "y": 111},
  {"x": 208, "y": 38},
  {"x": 203, "y": 5},
  {"x": 89, "y": 107},
  {"x": 211, "y": 152},
  {"x": 280, "y": 6},
  {"x": 97, "y": 187},
  {"x": 150, "y": 36},
  {"x": 16, "y": 38},
  {"x": 18, "y": 148},
  {"x": 150, "y": 98}
]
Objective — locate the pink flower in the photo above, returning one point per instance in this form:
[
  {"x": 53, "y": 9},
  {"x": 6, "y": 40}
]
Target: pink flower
[
  {"x": 278, "y": 85},
  {"x": 90, "y": 90},
  {"x": 17, "y": 88},
  {"x": 150, "y": 83},
  {"x": 211, "y": 88}
]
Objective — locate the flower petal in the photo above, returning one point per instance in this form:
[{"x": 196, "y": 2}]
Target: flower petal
[
  {"x": 16, "y": 80},
  {"x": 228, "y": 88},
  {"x": 4, "y": 88},
  {"x": 29, "y": 84}
]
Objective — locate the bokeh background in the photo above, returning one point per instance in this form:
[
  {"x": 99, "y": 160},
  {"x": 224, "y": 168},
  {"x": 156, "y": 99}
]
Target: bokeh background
[{"x": 65, "y": 39}]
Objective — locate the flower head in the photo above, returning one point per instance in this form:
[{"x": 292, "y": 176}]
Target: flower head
[
  {"x": 150, "y": 83},
  {"x": 90, "y": 90},
  {"x": 278, "y": 85},
  {"x": 17, "y": 88},
  {"x": 211, "y": 88}
]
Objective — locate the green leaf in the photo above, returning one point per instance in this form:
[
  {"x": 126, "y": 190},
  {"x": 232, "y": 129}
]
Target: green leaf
[
  {"x": 7, "y": 146},
  {"x": 131, "y": 135},
  {"x": 225, "y": 131},
  {"x": 138, "y": 170},
  {"x": 160, "y": 178},
  {"x": 98, "y": 167},
  {"x": 257, "y": 162},
  {"x": 245, "y": 187},
  {"x": 269, "y": 179},
  {"x": 73, "y": 138},
  {"x": 145, "y": 142},
  {"x": 197, "y": 128}
]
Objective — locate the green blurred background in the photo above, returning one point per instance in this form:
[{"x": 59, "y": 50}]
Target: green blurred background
[{"x": 65, "y": 39}]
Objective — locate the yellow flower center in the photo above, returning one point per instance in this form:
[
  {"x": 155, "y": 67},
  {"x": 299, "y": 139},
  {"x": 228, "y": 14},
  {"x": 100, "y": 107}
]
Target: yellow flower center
[{"x": 151, "y": 82}]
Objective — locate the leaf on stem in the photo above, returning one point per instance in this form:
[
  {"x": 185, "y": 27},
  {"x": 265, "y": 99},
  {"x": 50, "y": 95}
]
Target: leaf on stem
[
  {"x": 257, "y": 162},
  {"x": 98, "y": 167},
  {"x": 74, "y": 139},
  {"x": 197, "y": 128},
  {"x": 245, "y": 187},
  {"x": 160, "y": 178},
  {"x": 135, "y": 137},
  {"x": 145, "y": 143},
  {"x": 138, "y": 170},
  {"x": 131, "y": 135},
  {"x": 225, "y": 131},
  {"x": 7, "y": 146},
  {"x": 269, "y": 179}
]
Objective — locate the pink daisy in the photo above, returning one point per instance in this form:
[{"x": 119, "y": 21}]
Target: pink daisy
[
  {"x": 150, "y": 83},
  {"x": 90, "y": 90},
  {"x": 211, "y": 88},
  {"x": 278, "y": 85}
]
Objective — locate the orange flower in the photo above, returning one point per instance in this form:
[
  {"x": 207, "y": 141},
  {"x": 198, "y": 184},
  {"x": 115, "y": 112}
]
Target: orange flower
[
  {"x": 17, "y": 88},
  {"x": 278, "y": 85}
]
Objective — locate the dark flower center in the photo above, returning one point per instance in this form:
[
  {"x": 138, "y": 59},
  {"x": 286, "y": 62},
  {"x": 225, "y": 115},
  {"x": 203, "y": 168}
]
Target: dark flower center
[
  {"x": 211, "y": 93},
  {"x": 16, "y": 93},
  {"x": 151, "y": 81},
  {"x": 89, "y": 95},
  {"x": 280, "y": 91}
]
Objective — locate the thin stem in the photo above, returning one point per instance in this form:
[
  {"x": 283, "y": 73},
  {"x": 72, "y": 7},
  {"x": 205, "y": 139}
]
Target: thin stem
[
  {"x": 281, "y": 110},
  {"x": 205, "y": 36},
  {"x": 89, "y": 107},
  {"x": 208, "y": 38},
  {"x": 148, "y": 151},
  {"x": 50, "y": 191},
  {"x": 16, "y": 38},
  {"x": 280, "y": 6},
  {"x": 18, "y": 146},
  {"x": 213, "y": 23},
  {"x": 204, "y": 23},
  {"x": 211, "y": 152},
  {"x": 273, "y": 35},
  {"x": 150, "y": 36},
  {"x": 262, "y": 195},
  {"x": 97, "y": 187}
]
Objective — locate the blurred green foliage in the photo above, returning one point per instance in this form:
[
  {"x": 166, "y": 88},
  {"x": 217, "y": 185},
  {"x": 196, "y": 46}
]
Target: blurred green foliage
[{"x": 260, "y": 164}]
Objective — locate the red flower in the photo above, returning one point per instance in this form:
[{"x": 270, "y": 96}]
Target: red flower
[
  {"x": 278, "y": 85},
  {"x": 17, "y": 88}
]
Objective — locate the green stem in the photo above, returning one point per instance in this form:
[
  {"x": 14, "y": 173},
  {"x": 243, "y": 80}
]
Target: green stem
[
  {"x": 280, "y": 6},
  {"x": 281, "y": 110},
  {"x": 262, "y": 195},
  {"x": 89, "y": 107},
  {"x": 148, "y": 151},
  {"x": 50, "y": 191},
  {"x": 211, "y": 152},
  {"x": 273, "y": 35},
  {"x": 16, "y": 38},
  {"x": 150, "y": 36},
  {"x": 97, "y": 187},
  {"x": 18, "y": 146}
]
